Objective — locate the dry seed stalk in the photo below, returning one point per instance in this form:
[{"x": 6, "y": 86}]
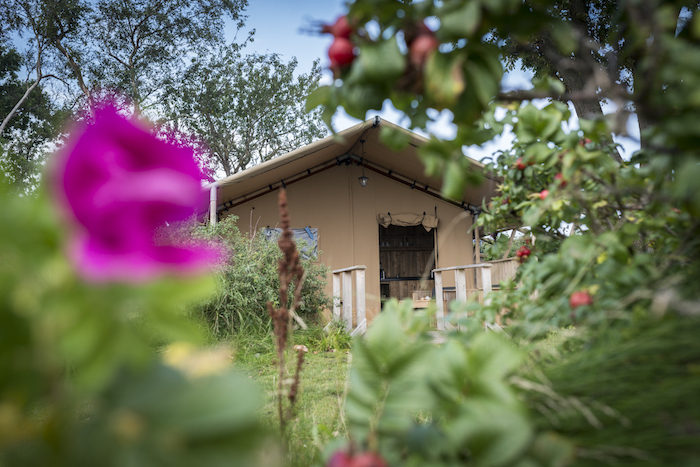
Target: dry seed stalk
[{"x": 289, "y": 270}]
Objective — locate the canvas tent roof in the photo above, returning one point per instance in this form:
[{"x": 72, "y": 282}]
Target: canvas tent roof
[{"x": 345, "y": 147}]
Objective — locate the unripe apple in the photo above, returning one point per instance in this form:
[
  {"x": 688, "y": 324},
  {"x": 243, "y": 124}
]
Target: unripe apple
[
  {"x": 341, "y": 52},
  {"x": 580, "y": 298}
]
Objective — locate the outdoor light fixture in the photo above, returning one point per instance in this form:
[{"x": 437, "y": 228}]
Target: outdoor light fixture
[{"x": 363, "y": 180}]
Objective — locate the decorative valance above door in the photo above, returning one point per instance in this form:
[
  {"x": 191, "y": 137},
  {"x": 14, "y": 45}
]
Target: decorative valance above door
[{"x": 406, "y": 219}]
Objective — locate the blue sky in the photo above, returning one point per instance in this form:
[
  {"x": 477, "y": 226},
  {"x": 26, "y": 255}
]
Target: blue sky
[{"x": 283, "y": 27}]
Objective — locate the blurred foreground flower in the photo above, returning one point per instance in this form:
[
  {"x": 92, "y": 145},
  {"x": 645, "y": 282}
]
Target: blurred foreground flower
[{"x": 121, "y": 184}]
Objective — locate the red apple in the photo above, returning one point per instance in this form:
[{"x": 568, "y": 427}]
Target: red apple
[
  {"x": 544, "y": 194},
  {"x": 421, "y": 47},
  {"x": 559, "y": 178},
  {"x": 519, "y": 164},
  {"x": 341, "y": 52},
  {"x": 341, "y": 28},
  {"x": 523, "y": 253},
  {"x": 580, "y": 298},
  {"x": 369, "y": 459},
  {"x": 340, "y": 459}
]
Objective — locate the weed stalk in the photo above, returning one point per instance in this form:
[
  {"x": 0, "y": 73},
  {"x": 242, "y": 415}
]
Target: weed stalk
[{"x": 290, "y": 270}]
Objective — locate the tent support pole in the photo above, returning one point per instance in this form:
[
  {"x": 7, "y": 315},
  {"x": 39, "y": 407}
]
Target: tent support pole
[{"x": 212, "y": 204}]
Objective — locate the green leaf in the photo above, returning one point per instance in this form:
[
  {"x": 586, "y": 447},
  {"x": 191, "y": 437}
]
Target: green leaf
[
  {"x": 463, "y": 22},
  {"x": 394, "y": 138},
  {"x": 319, "y": 96},
  {"x": 495, "y": 434},
  {"x": 483, "y": 83},
  {"x": 564, "y": 37},
  {"x": 453, "y": 181},
  {"x": 444, "y": 79},
  {"x": 378, "y": 62}
]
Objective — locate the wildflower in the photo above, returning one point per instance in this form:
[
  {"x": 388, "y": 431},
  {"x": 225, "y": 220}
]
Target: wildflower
[{"x": 120, "y": 184}]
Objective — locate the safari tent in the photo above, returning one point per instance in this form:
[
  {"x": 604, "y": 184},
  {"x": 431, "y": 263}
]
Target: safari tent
[{"x": 373, "y": 215}]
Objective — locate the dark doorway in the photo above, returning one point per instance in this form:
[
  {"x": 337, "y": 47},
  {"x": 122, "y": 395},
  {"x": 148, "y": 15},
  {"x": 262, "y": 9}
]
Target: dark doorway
[{"x": 404, "y": 255}]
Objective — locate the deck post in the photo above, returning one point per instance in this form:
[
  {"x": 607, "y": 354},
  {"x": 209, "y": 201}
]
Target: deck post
[
  {"x": 342, "y": 298},
  {"x": 486, "y": 283},
  {"x": 347, "y": 299},
  {"x": 461, "y": 284},
  {"x": 440, "y": 314},
  {"x": 360, "y": 296},
  {"x": 337, "y": 297}
]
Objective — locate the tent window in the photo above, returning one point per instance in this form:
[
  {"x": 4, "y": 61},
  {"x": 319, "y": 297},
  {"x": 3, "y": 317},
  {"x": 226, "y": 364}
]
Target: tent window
[{"x": 305, "y": 238}]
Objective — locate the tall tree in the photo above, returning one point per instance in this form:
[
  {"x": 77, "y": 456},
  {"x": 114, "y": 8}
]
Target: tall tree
[
  {"x": 141, "y": 43},
  {"x": 30, "y": 122},
  {"x": 130, "y": 47},
  {"x": 245, "y": 109},
  {"x": 32, "y": 22}
]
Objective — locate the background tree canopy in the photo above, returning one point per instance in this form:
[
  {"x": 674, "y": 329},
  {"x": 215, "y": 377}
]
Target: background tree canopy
[
  {"x": 148, "y": 57},
  {"x": 244, "y": 109}
]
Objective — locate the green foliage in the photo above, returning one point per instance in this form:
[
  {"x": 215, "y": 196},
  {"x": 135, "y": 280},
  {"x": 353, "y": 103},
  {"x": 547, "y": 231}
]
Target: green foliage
[
  {"x": 632, "y": 249},
  {"x": 495, "y": 249},
  {"x": 249, "y": 280},
  {"x": 82, "y": 384},
  {"x": 418, "y": 403},
  {"x": 625, "y": 224}
]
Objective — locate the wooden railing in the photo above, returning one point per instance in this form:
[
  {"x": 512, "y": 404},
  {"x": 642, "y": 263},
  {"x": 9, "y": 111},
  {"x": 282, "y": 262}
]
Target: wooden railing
[
  {"x": 343, "y": 297},
  {"x": 460, "y": 287},
  {"x": 501, "y": 270},
  {"x": 356, "y": 320}
]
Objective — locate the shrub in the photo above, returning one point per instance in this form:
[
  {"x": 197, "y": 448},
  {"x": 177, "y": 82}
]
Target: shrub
[{"x": 248, "y": 280}]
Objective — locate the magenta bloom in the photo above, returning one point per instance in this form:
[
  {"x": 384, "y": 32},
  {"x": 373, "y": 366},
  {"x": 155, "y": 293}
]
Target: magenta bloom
[{"x": 121, "y": 184}]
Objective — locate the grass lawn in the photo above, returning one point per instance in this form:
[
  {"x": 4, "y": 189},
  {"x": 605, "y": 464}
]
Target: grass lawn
[{"x": 319, "y": 414}]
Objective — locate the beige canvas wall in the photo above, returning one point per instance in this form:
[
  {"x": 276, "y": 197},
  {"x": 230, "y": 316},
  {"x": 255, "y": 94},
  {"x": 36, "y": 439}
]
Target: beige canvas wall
[{"x": 345, "y": 215}]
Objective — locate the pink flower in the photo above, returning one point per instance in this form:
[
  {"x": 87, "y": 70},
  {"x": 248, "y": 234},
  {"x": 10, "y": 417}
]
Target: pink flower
[{"x": 121, "y": 184}]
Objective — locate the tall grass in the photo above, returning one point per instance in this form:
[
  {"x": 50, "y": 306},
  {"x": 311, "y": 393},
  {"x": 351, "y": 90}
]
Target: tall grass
[
  {"x": 249, "y": 280},
  {"x": 627, "y": 397}
]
